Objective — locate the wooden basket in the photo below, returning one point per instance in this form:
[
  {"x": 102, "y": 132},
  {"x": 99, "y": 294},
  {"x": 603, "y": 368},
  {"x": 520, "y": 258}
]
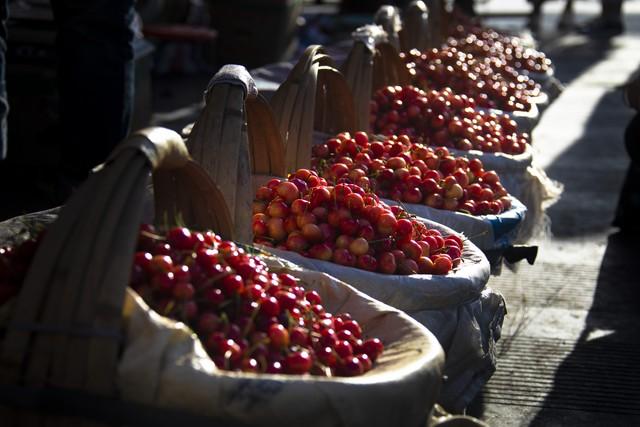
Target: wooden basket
[
  {"x": 65, "y": 329},
  {"x": 314, "y": 97},
  {"x": 373, "y": 63}
]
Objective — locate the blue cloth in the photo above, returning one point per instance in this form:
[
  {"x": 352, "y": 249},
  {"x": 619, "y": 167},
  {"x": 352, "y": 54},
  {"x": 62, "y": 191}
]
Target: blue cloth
[{"x": 505, "y": 225}]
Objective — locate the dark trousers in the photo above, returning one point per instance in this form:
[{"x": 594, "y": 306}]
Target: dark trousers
[
  {"x": 628, "y": 211},
  {"x": 95, "y": 78}
]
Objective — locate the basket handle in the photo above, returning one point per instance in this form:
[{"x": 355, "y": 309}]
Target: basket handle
[
  {"x": 388, "y": 17},
  {"x": 67, "y": 318},
  {"x": 265, "y": 140},
  {"x": 439, "y": 20},
  {"x": 334, "y": 109},
  {"x": 415, "y": 33},
  {"x": 219, "y": 142},
  {"x": 388, "y": 68},
  {"x": 302, "y": 104},
  {"x": 372, "y": 63},
  {"x": 314, "y": 54}
]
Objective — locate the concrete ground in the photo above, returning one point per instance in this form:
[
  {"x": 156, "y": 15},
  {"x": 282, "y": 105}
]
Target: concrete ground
[{"x": 570, "y": 351}]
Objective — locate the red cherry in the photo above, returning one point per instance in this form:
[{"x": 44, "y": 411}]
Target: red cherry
[
  {"x": 270, "y": 306},
  {"x": 181, "y": 238},
  {"x": 232, "y": 284},
  {"x": 183, "y": 291},
  {"x": 350, "y": 367},
  {"x": 299, "y": 362},
  {"x": 373, "y": 348}
]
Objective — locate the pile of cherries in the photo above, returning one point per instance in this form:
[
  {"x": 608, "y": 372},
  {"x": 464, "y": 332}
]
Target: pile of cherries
[
  {"x": 348, "y": 226},
  {"x": 490, "y": 83},
  {"x": 398, "y": 169},
  {"x": 483, "y": 42},
  {"x": 444, "y": 119},
  {"x": 249, "y": 318}
]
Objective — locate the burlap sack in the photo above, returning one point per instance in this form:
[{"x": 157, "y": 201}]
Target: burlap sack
[{"x": 468, "y": 333}]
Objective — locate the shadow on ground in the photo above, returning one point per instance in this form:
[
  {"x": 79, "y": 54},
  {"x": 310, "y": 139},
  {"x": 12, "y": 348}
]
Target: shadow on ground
[
  {"x": 592, "y": 171},
  {"x": 598, "y": 383}
]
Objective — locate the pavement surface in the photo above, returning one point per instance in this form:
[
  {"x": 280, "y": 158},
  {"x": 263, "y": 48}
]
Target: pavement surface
[{"x": 570, "y": 351}]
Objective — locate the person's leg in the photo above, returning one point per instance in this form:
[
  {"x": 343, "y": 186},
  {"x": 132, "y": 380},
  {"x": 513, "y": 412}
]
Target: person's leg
[
  {"x": 612, "y": 11},
  {"x": 95, "y": 72},
  {"x": 628, "y": 209},
  {"x": 609, "y": 23},
  {"x": 566, "y": 19},
  {"x": 534, "y": 16},
  {"x": 467, "y": 6},
  {"x": 4, "y": 103}
]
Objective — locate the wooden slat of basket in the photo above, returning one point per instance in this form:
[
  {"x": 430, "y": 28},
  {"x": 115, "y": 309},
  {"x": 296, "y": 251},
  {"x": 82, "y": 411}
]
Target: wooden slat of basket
[
  {"x": 260, "y": 155},
  {"x": 206, "y": 132},
  {"x": 209, "y": 143},
  {"x": 415, "y": 33},
  {"x": 388, "y": 69},
  {"x": 100, "y": 308},
  {"x": 436, "y": 23},
  {"x": 296, "y": 105},
  {"x": 166, "y": 201},
  {"x": 288, "y": 106},
  {"x": 358, "y": 71},
  {"x": 279, "y": 106},
  {"x": 63, "y": 300},
  {"x": 301, "y": 67},
  {"x": 226, "y": 175},
  {"x": 208, "y": 201},
  {"x": 265, "y": 139},
  {"x": 70, "y": 356},
  {"x": 219, "y": 143},
  {"x": 300, "y": 134},
  {"x": 368, "y": 71},
  {"x": 324, "y": 60},
  {"x": 102, "y": 353},
  {"x": 292, "y": 122},
  {"x": 244, "y": 184},
  {"x": 314, "y": 54},
  {"x": 283, "y": 108},
  {"x": 388, "y": 17},
  {"x": 50, "y": 350},
  {"x": 204, "y": 205},
  {"x": 334, "y": 110}
]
